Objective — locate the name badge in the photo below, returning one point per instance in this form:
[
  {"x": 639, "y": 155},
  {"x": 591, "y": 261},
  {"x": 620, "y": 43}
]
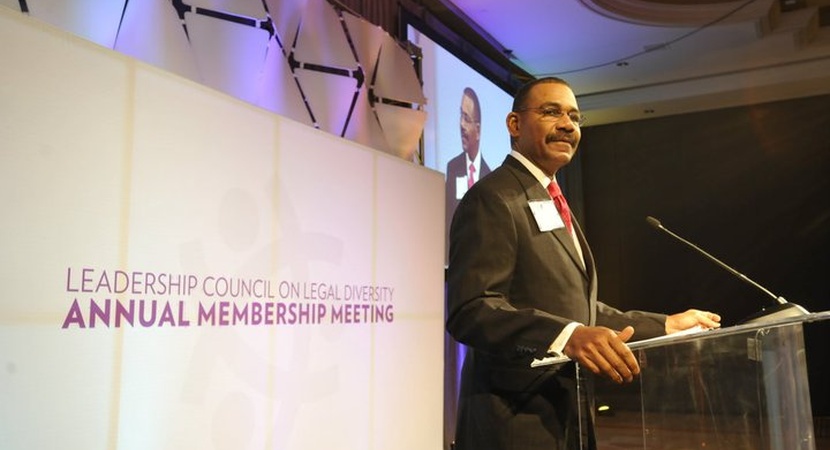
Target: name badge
[
  {"x": 546, "y": 215},
  {"x": 460, "y": 187}
]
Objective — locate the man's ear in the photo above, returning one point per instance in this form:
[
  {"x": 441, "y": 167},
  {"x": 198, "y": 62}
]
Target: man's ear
[{"x": 512, "y": 122}]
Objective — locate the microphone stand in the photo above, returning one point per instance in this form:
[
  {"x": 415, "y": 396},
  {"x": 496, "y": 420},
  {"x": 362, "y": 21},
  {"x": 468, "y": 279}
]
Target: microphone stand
[{"x": 782, "y": 309}]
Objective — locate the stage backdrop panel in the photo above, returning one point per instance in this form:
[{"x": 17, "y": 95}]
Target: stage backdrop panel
[{"x": 183, "y": 270}]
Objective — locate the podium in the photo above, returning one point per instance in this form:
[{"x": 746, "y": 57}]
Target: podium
[{"x": 741, "y": 387}]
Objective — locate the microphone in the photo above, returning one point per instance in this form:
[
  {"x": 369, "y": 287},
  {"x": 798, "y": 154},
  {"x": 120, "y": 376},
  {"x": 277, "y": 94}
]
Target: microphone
[{"x": 781, "y": 310}]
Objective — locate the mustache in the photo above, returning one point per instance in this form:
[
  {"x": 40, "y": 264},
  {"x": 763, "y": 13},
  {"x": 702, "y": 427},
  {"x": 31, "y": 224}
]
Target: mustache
[{"x": 555, "y": 137}]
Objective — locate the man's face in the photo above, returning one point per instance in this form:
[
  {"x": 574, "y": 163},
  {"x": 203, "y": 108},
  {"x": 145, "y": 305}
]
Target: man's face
[
  {"x": 470, "y": 128},
  {"x": 548, "y": 141}
]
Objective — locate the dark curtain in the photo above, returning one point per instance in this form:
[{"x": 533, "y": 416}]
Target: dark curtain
[{"x": 750, "y": 185}]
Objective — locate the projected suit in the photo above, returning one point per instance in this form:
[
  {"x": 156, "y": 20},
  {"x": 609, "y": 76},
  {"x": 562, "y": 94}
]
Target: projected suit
[{"x": 457, "y": 168}]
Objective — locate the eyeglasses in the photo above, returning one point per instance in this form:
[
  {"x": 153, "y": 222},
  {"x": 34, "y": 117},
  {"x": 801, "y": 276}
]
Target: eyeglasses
[
  {"x": 555, "y": 113},
  {"x": 468, "y": 119}
]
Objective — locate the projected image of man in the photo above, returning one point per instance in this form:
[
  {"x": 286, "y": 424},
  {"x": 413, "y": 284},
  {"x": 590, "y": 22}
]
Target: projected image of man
[{"x": 469, "y": 166}]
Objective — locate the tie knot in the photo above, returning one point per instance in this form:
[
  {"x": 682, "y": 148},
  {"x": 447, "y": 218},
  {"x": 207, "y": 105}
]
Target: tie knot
[{"x": 553, "y": 189}]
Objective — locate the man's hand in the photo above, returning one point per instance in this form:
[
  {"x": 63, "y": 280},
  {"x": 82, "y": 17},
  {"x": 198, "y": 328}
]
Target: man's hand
[
  {"x": 691, "y": 318},
  {"x": 603, "y": 352}
]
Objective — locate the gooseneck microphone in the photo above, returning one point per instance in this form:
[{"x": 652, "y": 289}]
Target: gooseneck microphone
[
  {"x": 656, "y": 224},
  {"x": 781, "y": 310}
]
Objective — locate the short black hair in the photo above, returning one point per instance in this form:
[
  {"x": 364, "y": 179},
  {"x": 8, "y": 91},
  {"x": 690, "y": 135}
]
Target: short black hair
[
  {"x": 521, "y": 94},
  {"x": 469, "y": 92}
]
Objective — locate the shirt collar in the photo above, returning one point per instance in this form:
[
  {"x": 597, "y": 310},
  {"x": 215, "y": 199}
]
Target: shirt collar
[
  {"x": 476, "y": 161},
  {"x": 537, "y": 173}
]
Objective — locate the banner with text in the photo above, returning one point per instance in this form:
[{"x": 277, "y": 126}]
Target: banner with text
[{"x": 183, "y": 270}]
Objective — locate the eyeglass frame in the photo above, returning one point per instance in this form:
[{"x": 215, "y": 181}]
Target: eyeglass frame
[
  {"x": 556, "y": 112},
  {"x": 466, "y": 118}
]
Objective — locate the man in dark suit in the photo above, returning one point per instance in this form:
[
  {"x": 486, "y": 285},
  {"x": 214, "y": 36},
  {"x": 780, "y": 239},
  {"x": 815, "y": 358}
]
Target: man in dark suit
[
  {"x": 469, "y": 166},
  {"x": 522, "y": 285}
]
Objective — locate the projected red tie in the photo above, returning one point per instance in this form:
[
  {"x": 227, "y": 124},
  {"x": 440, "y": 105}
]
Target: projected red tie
[
  {"x": 561, "y": 204},
  {"x": 470, "y": 177}
]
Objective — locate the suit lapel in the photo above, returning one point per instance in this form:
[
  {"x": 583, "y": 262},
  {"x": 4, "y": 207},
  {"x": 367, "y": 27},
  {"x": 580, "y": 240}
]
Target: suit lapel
[
  {"x": 534, "y": 192},
  {"x": 564, "y": 239},
  {"x": 587, "y": 256},
  {"x": 590, "y": 273}
]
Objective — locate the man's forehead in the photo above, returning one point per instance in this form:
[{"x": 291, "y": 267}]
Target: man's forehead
[
  {"x": 553, "y": 93},
  {"x": 467, "y": 104}
]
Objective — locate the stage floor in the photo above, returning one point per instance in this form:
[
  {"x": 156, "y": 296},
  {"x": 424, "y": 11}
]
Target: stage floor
[{"x": 623, "y": 431}]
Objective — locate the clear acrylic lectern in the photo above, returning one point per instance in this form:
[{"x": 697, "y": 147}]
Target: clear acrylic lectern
[{"x": 736, "y": 388}]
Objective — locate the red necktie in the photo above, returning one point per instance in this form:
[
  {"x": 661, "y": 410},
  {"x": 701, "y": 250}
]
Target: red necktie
[
  {"x": 561, "y": 204},
  {"x": 470, "y": 179}
]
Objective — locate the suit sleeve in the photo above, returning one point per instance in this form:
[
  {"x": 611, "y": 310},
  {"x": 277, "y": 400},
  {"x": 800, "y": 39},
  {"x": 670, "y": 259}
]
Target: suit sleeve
[{"x": 646, "y": 324}]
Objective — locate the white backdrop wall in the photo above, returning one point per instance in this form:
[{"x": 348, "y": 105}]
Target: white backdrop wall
[
  {"x": 137, "y": 206},
  {"x": 302, "y": 59}
]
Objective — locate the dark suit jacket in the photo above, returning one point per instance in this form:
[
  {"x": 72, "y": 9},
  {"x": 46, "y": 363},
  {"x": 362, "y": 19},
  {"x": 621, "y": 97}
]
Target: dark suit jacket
[
  {"x": 511, "y": 290},
  {"x": 457, "y": 167}
]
